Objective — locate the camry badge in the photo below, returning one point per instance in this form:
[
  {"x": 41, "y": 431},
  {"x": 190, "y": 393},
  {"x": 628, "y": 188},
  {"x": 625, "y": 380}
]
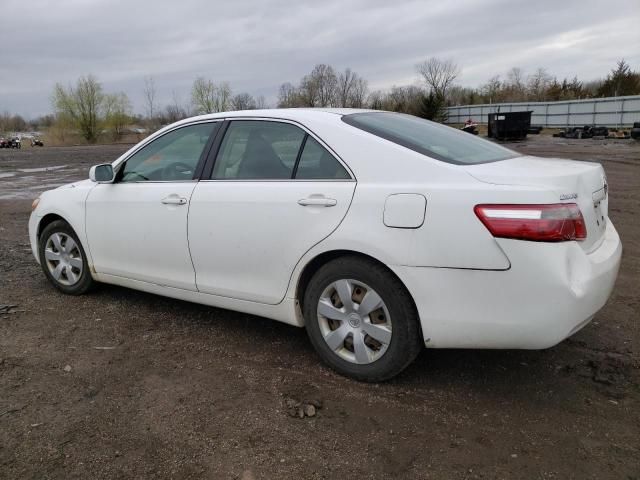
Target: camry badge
[{"x": 568, "y": 196}]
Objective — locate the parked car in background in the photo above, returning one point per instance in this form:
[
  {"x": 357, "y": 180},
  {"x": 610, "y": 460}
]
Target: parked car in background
[
  {"x": 11, "y": 142},
  {"x": 381, "y": 233}
]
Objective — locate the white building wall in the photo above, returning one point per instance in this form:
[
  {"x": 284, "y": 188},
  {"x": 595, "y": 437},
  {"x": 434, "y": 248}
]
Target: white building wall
[{"x": 610, "y": 112}]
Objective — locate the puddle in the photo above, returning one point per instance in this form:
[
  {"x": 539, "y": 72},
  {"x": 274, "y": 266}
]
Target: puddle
[{"x": 25, "y": 183}]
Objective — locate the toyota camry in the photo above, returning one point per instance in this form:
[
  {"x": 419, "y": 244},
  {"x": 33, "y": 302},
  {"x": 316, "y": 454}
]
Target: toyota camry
[{"x": 380, "y": 233}]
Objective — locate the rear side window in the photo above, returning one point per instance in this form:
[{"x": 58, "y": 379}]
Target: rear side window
[
  {"x": 316, "y": 163},
  {"x": 258, "y": 150},
  {"x": 429, "y": 138}
]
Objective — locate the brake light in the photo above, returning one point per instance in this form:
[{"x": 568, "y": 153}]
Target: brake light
[{"x": 557, "y": 222}]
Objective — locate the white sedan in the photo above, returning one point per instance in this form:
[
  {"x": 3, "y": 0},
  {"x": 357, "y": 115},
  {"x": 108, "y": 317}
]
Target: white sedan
[{"x": 381, "y": 233}]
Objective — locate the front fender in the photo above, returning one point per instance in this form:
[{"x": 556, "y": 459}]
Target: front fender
[{"x": 68, "y": 203}]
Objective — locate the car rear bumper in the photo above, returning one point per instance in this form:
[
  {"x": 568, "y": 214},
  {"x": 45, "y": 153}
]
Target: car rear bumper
[{"x": 549, "y": 293}]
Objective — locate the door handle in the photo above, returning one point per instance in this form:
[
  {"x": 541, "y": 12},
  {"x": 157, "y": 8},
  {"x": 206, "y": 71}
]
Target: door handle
[
  {"x": 174, "y": 200},
  {"x": 317, "y": 201}
]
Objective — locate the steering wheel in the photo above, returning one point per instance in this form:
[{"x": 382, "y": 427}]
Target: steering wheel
[
  {"x": 137, "y": 175},
  {"x": 177, "y": 171}
]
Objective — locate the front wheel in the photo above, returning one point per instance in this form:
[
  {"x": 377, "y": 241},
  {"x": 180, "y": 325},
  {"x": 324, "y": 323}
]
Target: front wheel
[
  {"x": 63, "y": 259},
  {"x": 361, "y": 319}
]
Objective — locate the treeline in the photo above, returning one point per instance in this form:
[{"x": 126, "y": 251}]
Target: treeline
[
  {"x": 86, "y": 109},
  {"x": 437, "y": 89},
  {"x": 207, "y": 96},
  {"x": 324, "y": 87},
  {"x": 17, "y": 123},
  {"x": 12, "y": 123},
  {"x": 540, "y": 86}
]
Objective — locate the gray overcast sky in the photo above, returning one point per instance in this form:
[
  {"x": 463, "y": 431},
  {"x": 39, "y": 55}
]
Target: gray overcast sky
[{"x": 256, "y": 44}]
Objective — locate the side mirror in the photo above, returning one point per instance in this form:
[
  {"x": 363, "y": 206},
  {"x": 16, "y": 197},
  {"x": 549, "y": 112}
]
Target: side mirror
[{"x": 101, "y": 173}]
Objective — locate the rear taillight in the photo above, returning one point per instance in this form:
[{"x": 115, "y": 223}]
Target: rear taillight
[{"x": 557, "y": 222}]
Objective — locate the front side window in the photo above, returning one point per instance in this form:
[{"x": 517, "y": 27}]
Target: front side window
[
  {"x": 255, "y": 149},
  {"x": 171, "y": 157},
  {"x": 429, "y": 138}
]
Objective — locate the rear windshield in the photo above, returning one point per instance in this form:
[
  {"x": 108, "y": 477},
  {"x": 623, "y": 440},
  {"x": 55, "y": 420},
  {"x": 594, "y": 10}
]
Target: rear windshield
[{"x": 429, "y": 138}]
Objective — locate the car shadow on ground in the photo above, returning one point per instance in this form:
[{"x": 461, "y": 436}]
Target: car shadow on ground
[{"x": 476, "y": 369}]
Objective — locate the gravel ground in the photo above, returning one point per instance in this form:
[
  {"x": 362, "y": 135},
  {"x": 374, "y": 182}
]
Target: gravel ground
[{"x": 123, "y": 384}]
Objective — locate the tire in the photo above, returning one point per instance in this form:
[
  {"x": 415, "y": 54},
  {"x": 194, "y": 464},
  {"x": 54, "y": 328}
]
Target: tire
[
  {"x": 63, "y": 260},
  {"x": 393, "y": 319}
]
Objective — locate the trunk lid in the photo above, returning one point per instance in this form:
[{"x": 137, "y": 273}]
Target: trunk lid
[{"x": 583, "y": 183}]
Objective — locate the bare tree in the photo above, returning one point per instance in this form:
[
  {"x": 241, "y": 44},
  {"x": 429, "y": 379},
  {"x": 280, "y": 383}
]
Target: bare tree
[
  {"x": 515, "y": 78},
  {"x": 308, "y": 92},
  {"x": 351, "y": 90},
  {"x": 538, "y": 83},
  {"x": 492, "y": 89},
  {"x": 150, "y": 96},
  {"x": 346, "y": 84},
  {"x": 203, "y": 95},
  {"x": 80, "y": 105},
  {"x": 405, "y": 99},
  {"x": 175, "y": 111},
  {"x": 261, "y": 102},
  {"x": 223, "y": 97},
  {"x": 319, "y": 88},
  {"x": 243, "y": 101},
  {"x": 288, "y": 96},
  {"x": 358, "y": 95},
  {"x": 326, "y": 82},
  {"x": 514, "y": 86},
  {"x": 207, "y": 97},
  {"x": 438, "y": 74},
  {"x": 176, "y": 101},
  {"x": 117, "y": 113},
  {"x": 376, "y": 100}
]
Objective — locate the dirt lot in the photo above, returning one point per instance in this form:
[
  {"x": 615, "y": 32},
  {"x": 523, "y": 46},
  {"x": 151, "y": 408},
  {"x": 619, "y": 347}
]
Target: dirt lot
[{"x": 185, "y": 391}]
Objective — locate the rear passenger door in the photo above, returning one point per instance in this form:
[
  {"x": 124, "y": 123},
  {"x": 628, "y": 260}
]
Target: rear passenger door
[{"x": 273, "y": 192}]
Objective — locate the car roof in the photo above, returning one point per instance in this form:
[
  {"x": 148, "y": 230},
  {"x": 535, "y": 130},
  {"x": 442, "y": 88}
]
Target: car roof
[
  {"x": 305, "y": 116},
  {"x": 284, "y": 113}
]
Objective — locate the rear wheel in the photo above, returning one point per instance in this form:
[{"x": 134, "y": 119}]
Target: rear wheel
[
  {"x": 361, "y": 320},
  {"x": 63, "y": 259}
]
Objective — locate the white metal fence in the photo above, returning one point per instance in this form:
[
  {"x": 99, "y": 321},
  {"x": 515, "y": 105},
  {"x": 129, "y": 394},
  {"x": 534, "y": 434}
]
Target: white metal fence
[{"x": 610, "y": 112}]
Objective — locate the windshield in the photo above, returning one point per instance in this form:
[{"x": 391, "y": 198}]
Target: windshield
[{"x": 429, "y": 138}]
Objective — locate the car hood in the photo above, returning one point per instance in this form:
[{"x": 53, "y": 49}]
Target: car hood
[{"x": 79, "y": 184}]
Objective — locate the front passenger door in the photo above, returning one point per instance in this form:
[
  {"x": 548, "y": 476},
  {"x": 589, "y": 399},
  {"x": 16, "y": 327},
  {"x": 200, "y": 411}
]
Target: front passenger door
[{"x": 137, "y": 226}]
